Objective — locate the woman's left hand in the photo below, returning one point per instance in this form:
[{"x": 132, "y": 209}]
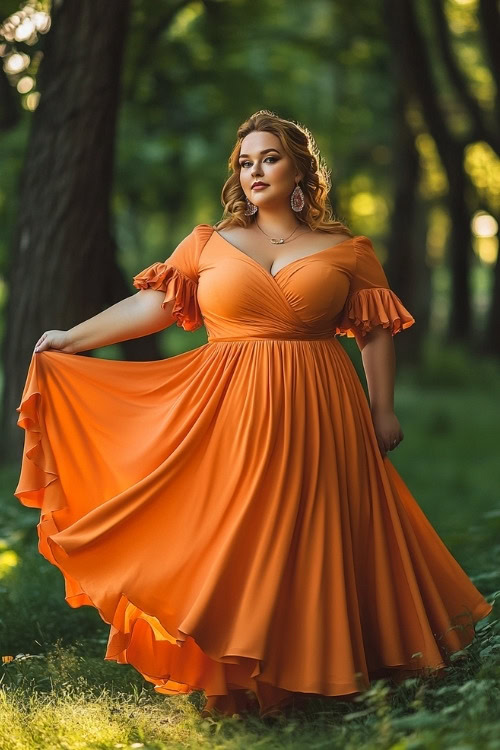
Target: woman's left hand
[{"x": 387, "y": 430}]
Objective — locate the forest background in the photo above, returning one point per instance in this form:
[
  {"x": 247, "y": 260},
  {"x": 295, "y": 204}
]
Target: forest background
[{"x": 116, "y": 122}]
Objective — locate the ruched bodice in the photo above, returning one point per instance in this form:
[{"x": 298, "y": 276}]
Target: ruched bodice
[
  {"x": 301, "y": 301},
  {"x": 341, "y": 289}
]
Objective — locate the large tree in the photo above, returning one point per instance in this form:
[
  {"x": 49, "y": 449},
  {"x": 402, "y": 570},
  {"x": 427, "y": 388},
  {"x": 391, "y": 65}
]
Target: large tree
[
  {"x": 418, "y": 59},
  {"x": 62, "y": 263}
]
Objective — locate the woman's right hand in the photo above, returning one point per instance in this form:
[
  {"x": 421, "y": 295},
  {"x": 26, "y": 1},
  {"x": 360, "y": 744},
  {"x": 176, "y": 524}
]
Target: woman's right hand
[{"x": 58, "y": 340}]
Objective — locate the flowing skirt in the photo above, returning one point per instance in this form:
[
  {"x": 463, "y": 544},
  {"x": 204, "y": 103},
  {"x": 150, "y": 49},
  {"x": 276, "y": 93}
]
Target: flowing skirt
[{"x": 229, "y": 514}]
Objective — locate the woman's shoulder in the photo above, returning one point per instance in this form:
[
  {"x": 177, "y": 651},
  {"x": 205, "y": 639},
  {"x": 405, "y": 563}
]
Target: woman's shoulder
[
  {"x": 203, "y": 230},
  {"x": 198, "y": 237},
  {"x": 339, "y": 236},
  {"x": 189, "y": 249},
  {"x": 234, "y": 232}
]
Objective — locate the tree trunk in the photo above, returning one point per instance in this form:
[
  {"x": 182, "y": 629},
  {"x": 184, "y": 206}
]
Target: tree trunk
[
  {"x": 490, "y": 27},
  {"x": 413, "y": 56},
  {"x": 63, "y": 261},
  {"x": 459, "y": 245},
  {"x": 492, "y": 337},
  {"x": 405, "y": 267},
  {"x": 9, "y": 106}
]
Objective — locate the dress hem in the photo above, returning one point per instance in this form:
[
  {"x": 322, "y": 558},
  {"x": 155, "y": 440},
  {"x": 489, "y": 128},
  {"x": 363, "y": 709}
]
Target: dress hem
[{"x": 391, "y": 671}]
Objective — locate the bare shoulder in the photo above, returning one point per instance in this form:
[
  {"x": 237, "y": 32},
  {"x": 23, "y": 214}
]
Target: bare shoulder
[
  {"x": 322, "y": 239},
  {"x": 233, "y": 233},
  {"x": 336, "y": 236}
]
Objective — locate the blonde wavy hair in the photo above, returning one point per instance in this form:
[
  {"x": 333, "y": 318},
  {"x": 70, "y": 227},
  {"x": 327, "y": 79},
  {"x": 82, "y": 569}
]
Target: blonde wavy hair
[{"x": 299, "y": 144}]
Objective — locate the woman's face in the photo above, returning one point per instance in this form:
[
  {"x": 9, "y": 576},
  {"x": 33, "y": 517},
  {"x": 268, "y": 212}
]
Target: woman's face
[{"x": 262, "y": 159}]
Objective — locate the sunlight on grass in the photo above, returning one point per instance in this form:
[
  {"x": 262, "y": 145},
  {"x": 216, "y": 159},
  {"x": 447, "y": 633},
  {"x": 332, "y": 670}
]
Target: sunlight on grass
[
  {"x": 80, "y": 721},
  {"x": 59, "y": 700}
]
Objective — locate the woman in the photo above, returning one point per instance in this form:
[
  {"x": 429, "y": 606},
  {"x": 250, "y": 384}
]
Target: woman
[{"x": 231, "y": 512}]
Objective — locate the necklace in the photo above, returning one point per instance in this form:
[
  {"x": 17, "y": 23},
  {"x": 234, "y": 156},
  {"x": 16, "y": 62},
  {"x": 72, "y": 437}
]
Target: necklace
[{"x": 278, "y": 240}]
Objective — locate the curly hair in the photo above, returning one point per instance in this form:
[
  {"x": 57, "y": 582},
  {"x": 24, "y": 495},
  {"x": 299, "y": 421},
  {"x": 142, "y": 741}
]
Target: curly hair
[{"x": 299, "y": 144}]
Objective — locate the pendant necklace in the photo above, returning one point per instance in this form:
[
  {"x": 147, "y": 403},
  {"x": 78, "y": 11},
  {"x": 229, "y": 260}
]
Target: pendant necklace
[{"x": 278, "y": 240}]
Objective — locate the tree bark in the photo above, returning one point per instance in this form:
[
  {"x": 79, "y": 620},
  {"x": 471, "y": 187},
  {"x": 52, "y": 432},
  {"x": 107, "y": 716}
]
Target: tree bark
[
  {"x": 482, "y": 128},
  {"x": 406, "y": 267},
  {"x": 63, "y": 260},
  {"x": 416, "y": 69},
  {"x": 489, "y": 15},
  {"x": 10, "y": 110},
  {"x": 490, "y": 27}
]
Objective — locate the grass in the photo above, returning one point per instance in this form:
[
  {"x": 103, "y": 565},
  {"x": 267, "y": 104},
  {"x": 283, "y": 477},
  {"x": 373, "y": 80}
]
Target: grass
[
  {"x": 63, "y": 699},
  {"x": 56, "y": 691}
]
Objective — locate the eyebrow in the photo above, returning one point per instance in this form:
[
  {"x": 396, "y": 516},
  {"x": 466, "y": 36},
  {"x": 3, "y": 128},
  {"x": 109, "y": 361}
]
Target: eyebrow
[{"x": 266, "y": 151}]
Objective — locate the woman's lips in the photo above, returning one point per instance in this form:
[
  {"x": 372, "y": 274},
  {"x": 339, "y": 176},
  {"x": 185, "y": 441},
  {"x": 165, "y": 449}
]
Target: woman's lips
[{"x": 259, "y": 187}]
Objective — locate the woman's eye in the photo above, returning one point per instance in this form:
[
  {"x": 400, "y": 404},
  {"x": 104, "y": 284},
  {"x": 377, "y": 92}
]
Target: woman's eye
[{"x": 242, "y": 163}]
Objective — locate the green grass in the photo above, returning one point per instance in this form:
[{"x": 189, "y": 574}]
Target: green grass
[
  {"x": 68, "y": 700},
  {"x": 58, "y": 692}
]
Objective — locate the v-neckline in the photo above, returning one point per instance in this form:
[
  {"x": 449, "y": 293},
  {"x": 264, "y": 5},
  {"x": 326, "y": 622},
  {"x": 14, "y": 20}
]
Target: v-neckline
[{"x": 283, "y": 268}]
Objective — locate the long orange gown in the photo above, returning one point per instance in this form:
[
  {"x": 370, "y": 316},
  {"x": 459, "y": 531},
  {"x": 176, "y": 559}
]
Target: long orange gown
[{"x": 228, "y": 510}]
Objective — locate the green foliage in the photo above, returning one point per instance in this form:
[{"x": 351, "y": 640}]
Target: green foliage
[
  {"x": 455, "y": 367},
  {"x": 448, "y": 456}
]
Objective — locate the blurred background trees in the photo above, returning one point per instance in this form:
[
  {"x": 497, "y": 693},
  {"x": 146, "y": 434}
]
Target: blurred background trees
[{"x": 117, "y": 120}]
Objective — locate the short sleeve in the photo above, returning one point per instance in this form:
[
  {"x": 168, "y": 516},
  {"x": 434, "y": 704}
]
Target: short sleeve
[
  {"x": 370, "y": 301},
  {"x": 177, "y": 276}
]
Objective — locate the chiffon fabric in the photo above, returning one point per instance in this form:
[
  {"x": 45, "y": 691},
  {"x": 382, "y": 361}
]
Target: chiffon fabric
[{"x": 227, "y": 510}]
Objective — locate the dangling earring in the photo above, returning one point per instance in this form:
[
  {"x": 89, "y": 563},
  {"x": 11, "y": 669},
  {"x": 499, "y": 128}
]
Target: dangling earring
[
  {"x": 297, "y": 199},
  {"x": 251, "y": 208}
]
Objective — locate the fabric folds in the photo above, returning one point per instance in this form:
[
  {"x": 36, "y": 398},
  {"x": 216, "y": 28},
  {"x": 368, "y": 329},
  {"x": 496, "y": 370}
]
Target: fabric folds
[
  {"x": 218, "y": 566},
  {"x": 165, "y": 277},
  {"x": 371, "y": 307},
  {"x": 227, "y": 510}
]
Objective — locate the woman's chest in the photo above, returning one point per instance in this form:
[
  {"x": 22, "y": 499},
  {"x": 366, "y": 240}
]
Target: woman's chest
[{"x": 233, "y": 285}]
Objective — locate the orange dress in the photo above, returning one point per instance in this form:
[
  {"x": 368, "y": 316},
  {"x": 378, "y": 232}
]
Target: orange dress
[{"x": 228, "y": 510}]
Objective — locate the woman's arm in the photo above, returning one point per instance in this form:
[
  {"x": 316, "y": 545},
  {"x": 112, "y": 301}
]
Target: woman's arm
[
  {"x": 132, "y": 317},
  {"x": 379, "y": 362}
]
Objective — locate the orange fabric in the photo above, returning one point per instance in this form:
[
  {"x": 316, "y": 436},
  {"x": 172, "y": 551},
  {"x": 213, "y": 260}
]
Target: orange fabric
[{"x": 227, "y": 510}]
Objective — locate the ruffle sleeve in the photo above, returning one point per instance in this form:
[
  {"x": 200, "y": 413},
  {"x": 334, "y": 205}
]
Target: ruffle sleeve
[
  {"x": 165, "y": 277},
  {"x": 368, "y": 308},
  {"x": 177, "y": 276},
  {"x": 370, "y": 301}
]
